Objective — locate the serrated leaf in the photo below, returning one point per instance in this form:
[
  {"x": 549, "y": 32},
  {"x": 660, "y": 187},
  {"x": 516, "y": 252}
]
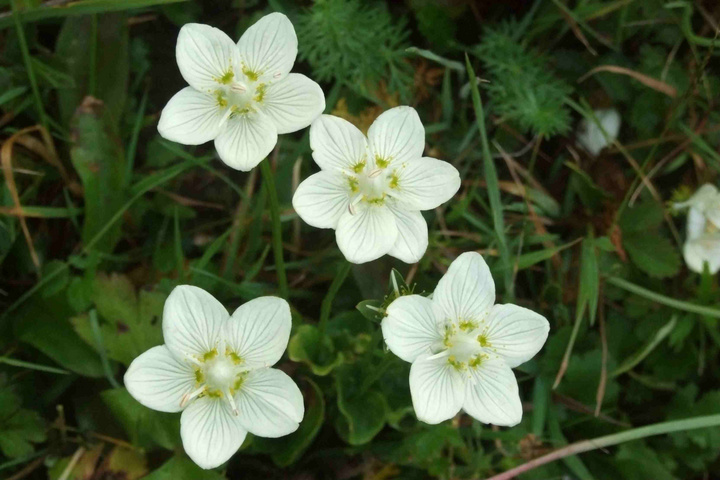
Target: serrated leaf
[{"x": 652, "y": 253}]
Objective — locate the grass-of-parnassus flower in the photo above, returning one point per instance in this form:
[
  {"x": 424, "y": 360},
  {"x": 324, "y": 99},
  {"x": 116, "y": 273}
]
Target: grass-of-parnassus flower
[
  {"x": 462, "y": 346},
  {"x": 702, "y": 243},
  {"x": 371, "y": 190},
  {"x": 215, "y": 368},
  {"x": 240, "y": 95}
]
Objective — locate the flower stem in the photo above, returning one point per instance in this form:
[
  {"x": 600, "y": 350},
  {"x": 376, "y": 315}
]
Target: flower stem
[
  {"x": 326, "y": 306},
  {"x": 276, "y": 227},
  {"x": 610, "y": 440}
]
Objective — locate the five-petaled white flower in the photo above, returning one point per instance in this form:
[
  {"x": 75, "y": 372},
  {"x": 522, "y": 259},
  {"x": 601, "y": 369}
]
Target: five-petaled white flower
[
  {"x": 591, "y": 137},
  {"x": 462, "y": 346},
  {"x": 214, "y": 367},
  {"x": 242, "y": 96},
  {"x": 371, "y": 191},
  {"x": 703, "y": 229}
]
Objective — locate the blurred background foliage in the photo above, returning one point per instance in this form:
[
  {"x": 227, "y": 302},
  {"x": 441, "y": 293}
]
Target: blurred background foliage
[{"x": 100, "y": 218}]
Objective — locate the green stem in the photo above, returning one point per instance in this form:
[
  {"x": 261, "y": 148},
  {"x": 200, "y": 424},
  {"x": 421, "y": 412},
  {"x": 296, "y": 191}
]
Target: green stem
[
  {"x": 662, "y": 299},
  {"x": 28, "y": 65},
  {"x": 610, "y": 440},
  {"x": 276, "y": 227},
  {"x": 95, "y": 325},
  {"x": 326, "y": 306}
]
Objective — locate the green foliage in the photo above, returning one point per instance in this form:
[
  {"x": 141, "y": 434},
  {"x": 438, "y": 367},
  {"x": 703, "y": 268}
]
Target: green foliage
[
  {"x": 355, "y": 43},
  {"x": 118, "y": 216},
  {"x": 20, "y": 428},
  {"x": 523, "y": 88}
]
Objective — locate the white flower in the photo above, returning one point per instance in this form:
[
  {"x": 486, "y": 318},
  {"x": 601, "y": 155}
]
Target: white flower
[
  {"x": 371, "y": 191},
  {"x": 214, "y": 367},
  {"x": 242, "y": 96},
  {"x": 703, "y": 229},
  {"x": 462, "y": 347},
  {"x": 591, "y": 137}
]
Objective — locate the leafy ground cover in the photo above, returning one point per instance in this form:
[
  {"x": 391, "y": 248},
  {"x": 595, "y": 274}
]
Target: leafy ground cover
[{"x": 100, "y": 218}]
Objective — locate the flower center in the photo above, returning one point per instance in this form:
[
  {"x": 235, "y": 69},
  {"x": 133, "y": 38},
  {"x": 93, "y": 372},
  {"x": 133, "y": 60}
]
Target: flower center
[
  {"x": 466, "y": 342},
  {"x": 371, "y": 185},
  {"x": 217, "y": 375},
  {"x": 240, "y": 95}
]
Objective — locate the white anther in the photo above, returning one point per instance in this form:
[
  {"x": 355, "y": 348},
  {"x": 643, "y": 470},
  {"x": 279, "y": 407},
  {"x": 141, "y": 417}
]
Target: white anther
[
  {"x": 375, "y": 173},
  {"x": 189, "y": 396},
  {"x": 238, "y": 87}
]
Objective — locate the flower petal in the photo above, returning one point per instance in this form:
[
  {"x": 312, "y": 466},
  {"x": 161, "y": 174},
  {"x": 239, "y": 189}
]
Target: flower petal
[
  {"x": 337, "y": 144},
  {"x": 322, "y": 198},
  {"x": 591, "y": 137},
  {"x": 269, "y": 47},
  {"x": 412, "y": 239},
  {"x": 437, "y": 389},
  {"x": 425, "y": 183},
  {"x": 191, "y": 117},
  {"x": 192, "y": 321},
  {"x": 411, "y": 327},
  {"x": 467, "y": 290},
  {"x": 515, "y": 333},
  {"x": 210, "y": 433},
  {"x": 205, "y": 56},
  {"x": 706, "y": 248},
  {"x": 492, "y": 395},
  {"x": 366, "y": 235},
  {"x": 270, "y": 403},
  {"x": 397, "y": 136},
  {"x": 259, "y": 330},
  {"x": 246, "y": 140},
  {"x": 293, "y": 103},
  {"x": 158, "y": 380}
]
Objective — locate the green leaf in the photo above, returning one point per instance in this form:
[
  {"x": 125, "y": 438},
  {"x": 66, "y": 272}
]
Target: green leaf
[
  {"x": 652, "y": 253},
  {"x": 133, "y": 322},
  {"x": 317, "y": 351},
  {"x": 99, "y": 161},
  {"x": 589, "y": 280},
  {"x": 363, "y": 412},
  {"x": 286, "y": 450},
  {"x": 182, "y": 468},
  {"x": 51, "y": 332},
  {"x": 19, "y": 428},
  {"x": 146, "y": 428},
  {"x": 633, "y": 360}
]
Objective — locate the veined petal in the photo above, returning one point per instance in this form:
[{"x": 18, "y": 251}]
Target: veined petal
[
  {"x": 492, "y": 395},
  {"x": 270, "y": 403},
  {"x": 425, "y": 183},
  {"x": 397, "y": 136},
  {"x": 268, "y": 48},
  {"x": 337, "y": 144},
  {"x": 437, "y": 389},
  {"x": 367, "y": 234},
  {"x": 293, "y": 102},
  {"x": 259, "y": 330},
  {"x": 322, "y": 198},
  {"x": 703, "y": 249},
  {"x": 210, "y": 433},
  {"x": 515, "y": 333},
  {"x": 191, "y": 117},
  {"x": 246, "y": 140},
  {"x": 411, "y": 327},
  {"x": 158, "y": 380},
  {"x": 206, "y": 56},
  {"x": 412, "y": 239},
  {"x": 467, "y": 290},
  {"x": 192, "y": 321}
]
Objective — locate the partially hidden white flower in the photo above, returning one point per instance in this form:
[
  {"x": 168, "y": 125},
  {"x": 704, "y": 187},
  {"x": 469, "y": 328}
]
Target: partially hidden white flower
[
  {"x": 703, "y": 229},
  {"x": 242, "y": 96},
  {"x": 591, "y": 137},
  {"x": 462, "y": 347},
  {"x": 371, "y": 190},
  {"x": 214, "y": 367}
]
